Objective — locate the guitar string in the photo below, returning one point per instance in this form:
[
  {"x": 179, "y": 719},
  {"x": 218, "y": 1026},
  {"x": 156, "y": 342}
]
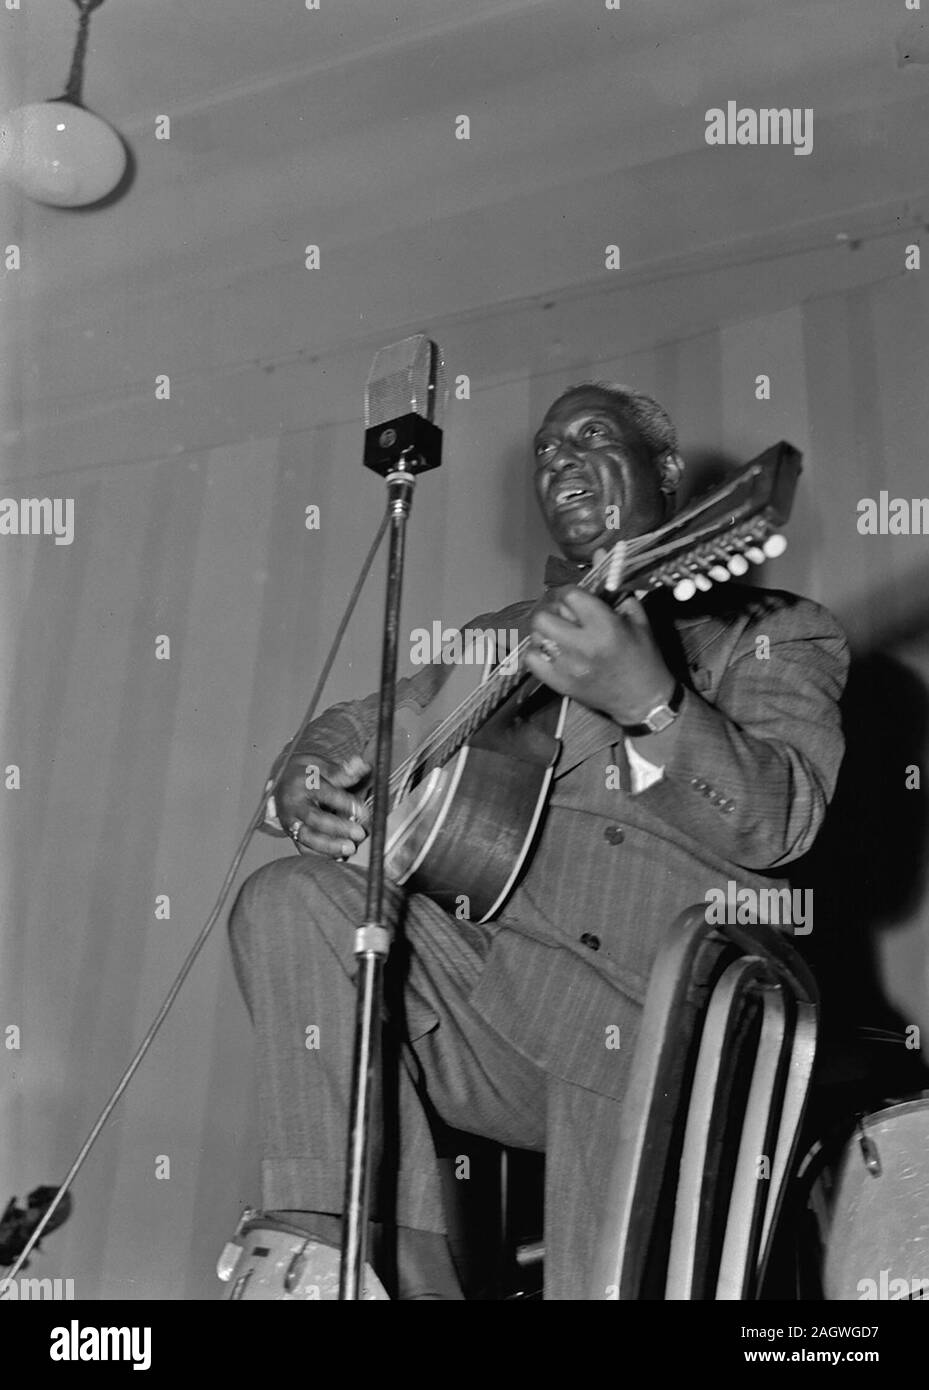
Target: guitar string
[
  {"x": 452, "y": 732},
  {"x": 469, "y": 713},
  {"x": 461, "y": 721},
  {"x": 472, "y": 706},
  {"x": 635, "y": 547}
]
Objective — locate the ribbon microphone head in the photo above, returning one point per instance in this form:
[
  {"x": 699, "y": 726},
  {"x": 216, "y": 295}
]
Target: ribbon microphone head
[{"x": 404, "y": 407}]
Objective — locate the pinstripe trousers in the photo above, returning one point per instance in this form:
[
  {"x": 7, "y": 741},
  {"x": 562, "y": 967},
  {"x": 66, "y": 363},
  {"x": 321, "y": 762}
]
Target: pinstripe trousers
[{"x": 292, "y": 939}]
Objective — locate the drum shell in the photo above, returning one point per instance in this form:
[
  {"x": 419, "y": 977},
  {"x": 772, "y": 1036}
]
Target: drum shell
[
  {"x": 877, "y": 1243},
  {"x": 271, "y": 1261}
]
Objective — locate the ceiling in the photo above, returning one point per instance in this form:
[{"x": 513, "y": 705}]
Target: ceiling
[{"x": 336, "y": 127}]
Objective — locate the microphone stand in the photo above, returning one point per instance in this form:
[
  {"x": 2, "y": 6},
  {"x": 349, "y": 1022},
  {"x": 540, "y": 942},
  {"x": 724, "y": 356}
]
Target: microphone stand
[{"x": 372, "y": 938}]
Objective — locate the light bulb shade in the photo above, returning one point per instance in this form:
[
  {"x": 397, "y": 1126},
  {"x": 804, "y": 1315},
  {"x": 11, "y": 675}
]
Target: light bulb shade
[{"x": 60, "y": 153}]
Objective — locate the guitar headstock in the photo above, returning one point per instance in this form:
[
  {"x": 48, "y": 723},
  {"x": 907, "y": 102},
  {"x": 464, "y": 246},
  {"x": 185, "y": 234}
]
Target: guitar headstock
[{"x": 716, "y": 536}]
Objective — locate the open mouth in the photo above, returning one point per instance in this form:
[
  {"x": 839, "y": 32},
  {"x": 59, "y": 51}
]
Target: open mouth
[{"x": 568, "y": 495}]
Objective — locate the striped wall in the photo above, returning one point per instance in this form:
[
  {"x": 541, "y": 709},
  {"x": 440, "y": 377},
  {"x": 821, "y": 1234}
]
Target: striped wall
[{"x": 138, "y": 773}]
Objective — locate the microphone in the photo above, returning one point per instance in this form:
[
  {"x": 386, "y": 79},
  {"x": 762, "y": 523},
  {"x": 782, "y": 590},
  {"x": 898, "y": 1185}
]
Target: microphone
[{"x": 404, "y": 406}]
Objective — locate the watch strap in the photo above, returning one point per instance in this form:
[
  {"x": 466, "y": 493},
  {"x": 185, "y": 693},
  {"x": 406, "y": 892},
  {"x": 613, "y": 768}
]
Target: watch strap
[{"x": 659, "y": 718}]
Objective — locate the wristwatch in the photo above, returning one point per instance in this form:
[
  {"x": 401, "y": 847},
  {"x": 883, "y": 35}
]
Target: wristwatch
[{"x": 660, "y": 717}]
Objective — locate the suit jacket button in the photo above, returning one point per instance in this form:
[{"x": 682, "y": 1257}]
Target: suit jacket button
[
  {"x": 592, "y": 942},
  {"x": 614, "y": 834}
]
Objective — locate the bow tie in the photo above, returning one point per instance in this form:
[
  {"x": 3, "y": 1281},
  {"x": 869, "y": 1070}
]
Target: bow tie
[{"x": 558, "y": 570}]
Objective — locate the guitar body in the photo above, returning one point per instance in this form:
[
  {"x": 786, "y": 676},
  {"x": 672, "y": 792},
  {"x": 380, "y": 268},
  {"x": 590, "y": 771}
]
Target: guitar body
[
  {"x": 468, "y": 828},
  {"x": 484, "y": 813}
]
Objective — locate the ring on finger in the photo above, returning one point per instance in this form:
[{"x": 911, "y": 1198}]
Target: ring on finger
[
  {"x": 549, "y": 649},
  {"x": 293, "y": 830}
]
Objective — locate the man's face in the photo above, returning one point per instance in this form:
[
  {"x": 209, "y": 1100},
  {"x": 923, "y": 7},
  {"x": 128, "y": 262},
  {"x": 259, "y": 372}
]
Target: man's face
[{"x": 594, "y": 478}]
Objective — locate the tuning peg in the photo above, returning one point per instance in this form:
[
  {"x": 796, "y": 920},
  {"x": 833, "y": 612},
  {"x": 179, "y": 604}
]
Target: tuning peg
[
  {"x": 719, "y": 573},
  {"x": 702, "y": 583},
  {"x": 737, "y": 564},
  {"x": 684, "y": 589},
  {"x": 755, "y": 554},
  {"x": 774, "y": 546}
]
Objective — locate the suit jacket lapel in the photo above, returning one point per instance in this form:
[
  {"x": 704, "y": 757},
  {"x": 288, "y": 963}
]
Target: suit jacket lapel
[{"x": 587, "y": 732}]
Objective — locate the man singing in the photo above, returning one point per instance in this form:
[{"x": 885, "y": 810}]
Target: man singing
[{"x": 692, "y": 755}]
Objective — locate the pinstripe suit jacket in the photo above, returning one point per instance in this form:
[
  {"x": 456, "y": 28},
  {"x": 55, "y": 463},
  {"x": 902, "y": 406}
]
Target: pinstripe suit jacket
[{"x": 753, "y": 767}]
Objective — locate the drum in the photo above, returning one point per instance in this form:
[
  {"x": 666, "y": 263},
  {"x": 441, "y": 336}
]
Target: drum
[
  {"x": 269, "y": 1259},
  {"x": 875, "y": 1220}
]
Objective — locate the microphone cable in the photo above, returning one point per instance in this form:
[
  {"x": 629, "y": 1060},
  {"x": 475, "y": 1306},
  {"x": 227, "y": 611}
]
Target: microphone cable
[{"x": 253, "y": 824}]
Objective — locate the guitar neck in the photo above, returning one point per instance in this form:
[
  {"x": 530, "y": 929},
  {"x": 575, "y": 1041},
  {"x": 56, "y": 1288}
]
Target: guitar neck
[
  {"x": 734, "y": 520},
  {"x": 465, "y": 721}
]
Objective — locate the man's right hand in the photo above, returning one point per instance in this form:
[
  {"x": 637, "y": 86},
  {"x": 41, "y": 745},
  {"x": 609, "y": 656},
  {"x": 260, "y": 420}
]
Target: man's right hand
[{"x": 326, "y": 799}]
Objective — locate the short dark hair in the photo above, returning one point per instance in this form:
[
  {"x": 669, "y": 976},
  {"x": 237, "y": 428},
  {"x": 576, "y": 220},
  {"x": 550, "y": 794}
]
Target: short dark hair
[{"x": 651, "y": 419}]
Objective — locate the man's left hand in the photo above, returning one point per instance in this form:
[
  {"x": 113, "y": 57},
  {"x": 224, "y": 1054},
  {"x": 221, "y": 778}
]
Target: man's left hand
[{"x": 606, "y": 660}]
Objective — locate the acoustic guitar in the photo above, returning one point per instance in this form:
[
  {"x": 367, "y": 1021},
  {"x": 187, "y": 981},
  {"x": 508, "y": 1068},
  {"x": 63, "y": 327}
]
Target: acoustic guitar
[{"x": 467, "y": 802}]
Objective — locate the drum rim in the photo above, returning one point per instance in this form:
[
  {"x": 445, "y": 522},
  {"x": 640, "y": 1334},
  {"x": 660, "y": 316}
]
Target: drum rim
[
  {"x": 920, "y": 1101},
  {"x": 270, "y": 1223},
  {"x": 267, "y": 1224}
]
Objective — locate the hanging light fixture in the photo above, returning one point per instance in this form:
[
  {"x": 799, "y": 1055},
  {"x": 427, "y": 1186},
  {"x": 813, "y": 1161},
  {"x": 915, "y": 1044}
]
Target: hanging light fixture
[{"x": 57, "y": 151}]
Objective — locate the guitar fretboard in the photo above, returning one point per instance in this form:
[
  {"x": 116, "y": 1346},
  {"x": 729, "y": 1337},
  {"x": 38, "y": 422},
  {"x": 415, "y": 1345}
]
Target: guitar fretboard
[{"x": 734, "y": 519}]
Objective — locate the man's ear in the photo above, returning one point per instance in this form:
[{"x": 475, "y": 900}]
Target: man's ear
[{"x": 670, "y": 471}]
